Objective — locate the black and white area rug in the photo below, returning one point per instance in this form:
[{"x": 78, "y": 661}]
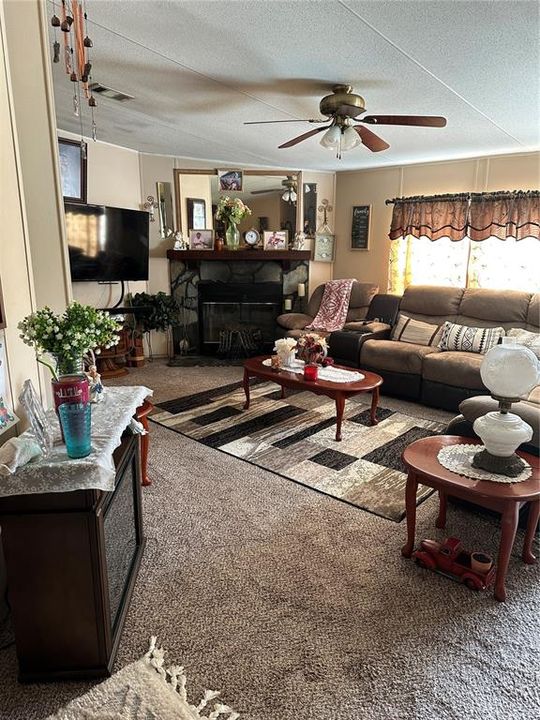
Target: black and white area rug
[{"x": 295, "y": 438}]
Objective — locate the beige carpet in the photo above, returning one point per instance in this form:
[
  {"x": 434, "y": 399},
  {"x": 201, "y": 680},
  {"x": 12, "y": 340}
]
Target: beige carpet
[{"x": 299, "y": 607}]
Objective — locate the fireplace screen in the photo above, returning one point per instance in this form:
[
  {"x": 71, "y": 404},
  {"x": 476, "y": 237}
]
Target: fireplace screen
[{"x": 238, "y": 307}]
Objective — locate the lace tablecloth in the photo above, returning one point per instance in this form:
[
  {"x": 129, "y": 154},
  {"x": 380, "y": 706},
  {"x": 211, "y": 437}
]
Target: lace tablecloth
[
  {"x": 58, "y": 473},
  {"x": 458, "y": 459},
  {"x": 329, "y": 373}
]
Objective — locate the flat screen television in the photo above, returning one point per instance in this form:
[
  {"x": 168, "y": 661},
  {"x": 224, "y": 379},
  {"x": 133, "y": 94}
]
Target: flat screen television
[{"x": 107, "y": 243}]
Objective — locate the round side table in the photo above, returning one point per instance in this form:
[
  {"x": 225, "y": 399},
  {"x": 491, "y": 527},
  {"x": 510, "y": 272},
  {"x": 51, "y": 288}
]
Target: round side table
[{"x": 506, "y": 498}]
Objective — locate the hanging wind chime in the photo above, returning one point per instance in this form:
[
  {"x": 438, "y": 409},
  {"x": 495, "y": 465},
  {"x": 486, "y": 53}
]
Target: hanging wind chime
[{"x": 73, "y": 24}]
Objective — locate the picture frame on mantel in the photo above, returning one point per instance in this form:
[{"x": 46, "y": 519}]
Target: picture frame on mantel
[
  {"x": 361, "y": 217},
  {"x": 201, "y": 239},
  {"x": 73, "y": 170}
]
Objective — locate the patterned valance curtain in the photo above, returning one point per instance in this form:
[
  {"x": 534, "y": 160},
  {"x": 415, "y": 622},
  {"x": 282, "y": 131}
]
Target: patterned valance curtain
[
  {"x": 434, "y": 218},
  {"x": 513, "y": 215},
  {"x": 483, "y": 240},
  {"x": 477, "y": 216}
]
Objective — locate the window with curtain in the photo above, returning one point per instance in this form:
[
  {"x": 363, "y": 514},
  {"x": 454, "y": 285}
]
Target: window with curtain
[{"x": 468, "y": 240}]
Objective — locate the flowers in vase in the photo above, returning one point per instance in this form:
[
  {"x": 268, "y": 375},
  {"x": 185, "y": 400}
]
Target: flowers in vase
[
  {"x": 70, "y": 335},
  {"x": 312, "y": 348},
  {"x": 285, "y": 345},
  {"x": 231, "y": 210}
]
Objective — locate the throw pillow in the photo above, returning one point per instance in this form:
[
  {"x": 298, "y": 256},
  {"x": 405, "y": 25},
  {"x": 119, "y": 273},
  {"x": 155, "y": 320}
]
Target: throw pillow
[
  {"x": 415, "y": 331},
  {"x": 529, "y": 339},
  {"x": 462, "y": 338}
]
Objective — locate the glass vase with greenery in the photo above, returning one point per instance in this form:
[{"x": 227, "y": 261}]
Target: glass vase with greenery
[
  {"x": 232, "y": 211},
  {"x": 61, "y": 341}
]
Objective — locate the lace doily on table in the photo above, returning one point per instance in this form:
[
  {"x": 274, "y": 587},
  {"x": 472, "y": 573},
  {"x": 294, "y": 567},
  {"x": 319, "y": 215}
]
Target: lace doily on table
[
  {"x": 57, "y": 472},
  {"x": 329, "y": 373},
  {"x": 458, "y": 459}
]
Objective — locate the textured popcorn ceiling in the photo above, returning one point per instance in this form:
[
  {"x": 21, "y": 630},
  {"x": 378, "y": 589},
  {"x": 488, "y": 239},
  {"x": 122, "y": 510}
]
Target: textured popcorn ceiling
[{"x": 198, "y": 69}]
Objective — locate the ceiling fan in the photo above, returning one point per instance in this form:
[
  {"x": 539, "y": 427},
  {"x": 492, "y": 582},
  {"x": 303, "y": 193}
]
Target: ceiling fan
[
  {"x": 343, "y": 108},
  {"x": 289, "y": 188}
]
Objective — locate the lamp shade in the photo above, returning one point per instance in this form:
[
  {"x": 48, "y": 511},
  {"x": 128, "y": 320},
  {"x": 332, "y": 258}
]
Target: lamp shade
[
  {"x": 349, "y": 139},
  {"x": 331, "y": 137},
  {"x": 510, "y": 370}
]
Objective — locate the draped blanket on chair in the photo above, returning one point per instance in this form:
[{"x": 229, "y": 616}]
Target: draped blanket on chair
[{"x": 332, "y": 313}]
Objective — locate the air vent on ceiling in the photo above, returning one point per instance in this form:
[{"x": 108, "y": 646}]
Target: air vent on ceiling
[{"x": 99, "y": 89}]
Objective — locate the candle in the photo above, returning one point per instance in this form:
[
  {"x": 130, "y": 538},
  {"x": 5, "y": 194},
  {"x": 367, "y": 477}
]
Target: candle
[
  {"x": 311, "y": 372},
  {"x": 301, "y": 290},
  {"x": 287, "y": 304}
]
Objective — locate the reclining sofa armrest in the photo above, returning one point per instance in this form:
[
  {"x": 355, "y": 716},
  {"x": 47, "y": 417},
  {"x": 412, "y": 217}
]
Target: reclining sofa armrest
[
  {"x": 345, "y": 345},
  {"x": 294, "y": 321}
]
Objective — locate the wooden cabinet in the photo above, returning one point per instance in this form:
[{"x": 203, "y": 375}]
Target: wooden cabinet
[{"x": 72, "y": 560}]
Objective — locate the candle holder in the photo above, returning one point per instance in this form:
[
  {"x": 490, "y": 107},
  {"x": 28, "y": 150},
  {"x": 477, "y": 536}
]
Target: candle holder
[{"x": 311, "y": 372}]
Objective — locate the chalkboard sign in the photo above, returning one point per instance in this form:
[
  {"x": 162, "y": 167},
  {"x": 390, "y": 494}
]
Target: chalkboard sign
[{"x": 360, "y": 227}]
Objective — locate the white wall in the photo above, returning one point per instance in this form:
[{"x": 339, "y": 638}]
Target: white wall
[{"x": 15, "y": 267}]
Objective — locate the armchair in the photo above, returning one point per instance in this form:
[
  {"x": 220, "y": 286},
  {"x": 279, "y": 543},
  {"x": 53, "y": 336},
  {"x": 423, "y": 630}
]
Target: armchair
[{"x": 294, "y": 324}]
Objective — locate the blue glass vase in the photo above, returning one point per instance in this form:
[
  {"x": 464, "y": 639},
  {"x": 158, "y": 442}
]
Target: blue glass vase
[{"x": 75, "y": 419}]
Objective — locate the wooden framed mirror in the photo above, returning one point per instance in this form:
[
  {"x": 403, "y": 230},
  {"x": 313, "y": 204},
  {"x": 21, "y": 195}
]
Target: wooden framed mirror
[{"x": 271, "y": 195}]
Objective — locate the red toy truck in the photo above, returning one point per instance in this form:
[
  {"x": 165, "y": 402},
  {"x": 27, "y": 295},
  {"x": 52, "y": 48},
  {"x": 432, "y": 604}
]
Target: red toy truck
[{"x": 451, "y": 559}]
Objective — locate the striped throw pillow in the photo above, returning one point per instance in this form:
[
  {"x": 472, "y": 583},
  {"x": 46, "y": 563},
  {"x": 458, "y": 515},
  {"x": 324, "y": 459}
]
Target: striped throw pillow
[
  {"x": 415, "y": 331},
  {"x": 462, "y": 338}
]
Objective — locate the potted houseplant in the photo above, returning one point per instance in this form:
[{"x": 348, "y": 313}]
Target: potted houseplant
[
  {"x": 232, "y": 211},
  {"x": 63, "y": 342},
  {"x": 157, "y": 312}
]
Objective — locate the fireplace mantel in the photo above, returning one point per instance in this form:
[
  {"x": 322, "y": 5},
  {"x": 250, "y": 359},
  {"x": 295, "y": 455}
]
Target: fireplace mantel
[{"x": 195, "y": 256}]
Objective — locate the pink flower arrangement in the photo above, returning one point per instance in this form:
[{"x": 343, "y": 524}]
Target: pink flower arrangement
[{"x": 312, "y": 349}]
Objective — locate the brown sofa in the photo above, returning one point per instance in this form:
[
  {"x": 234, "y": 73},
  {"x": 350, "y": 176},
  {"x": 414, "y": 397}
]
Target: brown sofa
[
  {"x": 444, "y": 379},
  {"x": 294, "y": 324}
]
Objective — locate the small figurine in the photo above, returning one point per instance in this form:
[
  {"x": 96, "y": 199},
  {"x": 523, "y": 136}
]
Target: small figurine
[
  {"x": 96, "y": 386},
  {"x": 299, "y": 241},
  {"x": 275, "y": 362},
  {"x": 179, "y": 242}
]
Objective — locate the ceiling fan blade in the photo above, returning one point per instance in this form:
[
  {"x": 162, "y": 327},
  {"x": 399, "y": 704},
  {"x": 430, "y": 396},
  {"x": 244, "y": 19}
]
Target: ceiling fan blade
[
  {"x": 370, "y": 140},
  {"x": 262, "y": 192},
  {"x": 268, "y": 122},
  {"x": 421, "y": 120},
  {"x": 305, "y": 136}
]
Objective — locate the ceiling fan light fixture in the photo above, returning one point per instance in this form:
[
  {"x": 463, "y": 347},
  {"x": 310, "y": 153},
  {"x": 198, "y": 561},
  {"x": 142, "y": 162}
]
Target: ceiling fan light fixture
[
  {"x": 289, "y": 196},
  {"x": 331, "y": 137},
  {"x": 349, "y": 138}
]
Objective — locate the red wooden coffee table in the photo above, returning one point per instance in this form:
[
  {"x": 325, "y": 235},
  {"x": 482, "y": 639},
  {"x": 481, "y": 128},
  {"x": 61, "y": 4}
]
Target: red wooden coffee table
[
  {"x": 506, "y": 498},
  {"x": 337, "y": 391}
]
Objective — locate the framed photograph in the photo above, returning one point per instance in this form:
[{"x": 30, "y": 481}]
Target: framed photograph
[
  {"x": 230, "y": 180},
  {"x": 276, "y": 240},
  {"x": 72, "y": 170},
  {"x": 360, "y": 227},
  {"x": 196, "y": 210},
  {"x": 201, "y": 239},
  {"x": 324, "y": 247}
]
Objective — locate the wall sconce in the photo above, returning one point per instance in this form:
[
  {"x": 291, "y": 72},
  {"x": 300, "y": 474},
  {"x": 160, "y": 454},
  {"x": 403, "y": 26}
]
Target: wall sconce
[{"x": 151, "y": 206}]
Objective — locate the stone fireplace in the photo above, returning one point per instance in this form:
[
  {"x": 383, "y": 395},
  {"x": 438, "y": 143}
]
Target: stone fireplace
[{"x": 233, "y": 290}]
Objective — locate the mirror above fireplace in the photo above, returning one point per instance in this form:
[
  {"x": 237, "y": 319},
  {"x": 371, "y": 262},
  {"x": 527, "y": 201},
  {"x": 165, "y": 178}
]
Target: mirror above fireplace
[{"x": 271, "y": 195}]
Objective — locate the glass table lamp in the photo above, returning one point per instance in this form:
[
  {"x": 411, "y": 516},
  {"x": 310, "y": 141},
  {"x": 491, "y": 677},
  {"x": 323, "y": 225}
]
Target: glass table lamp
[{"x": 510, "y": 372}]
